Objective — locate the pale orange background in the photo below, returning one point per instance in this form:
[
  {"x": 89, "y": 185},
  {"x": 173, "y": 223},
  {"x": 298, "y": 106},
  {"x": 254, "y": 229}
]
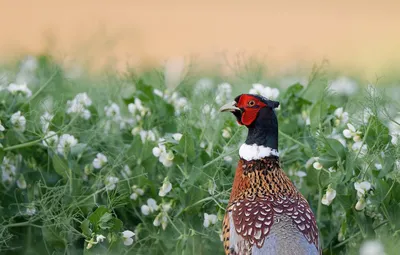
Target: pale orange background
[{"x": 361, "y": 35}]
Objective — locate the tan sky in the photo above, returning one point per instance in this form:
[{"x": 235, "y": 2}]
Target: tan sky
[{"x": 359, "y": 34}]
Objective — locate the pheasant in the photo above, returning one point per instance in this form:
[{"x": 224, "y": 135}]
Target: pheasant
[{"x": 266, "y": 214}]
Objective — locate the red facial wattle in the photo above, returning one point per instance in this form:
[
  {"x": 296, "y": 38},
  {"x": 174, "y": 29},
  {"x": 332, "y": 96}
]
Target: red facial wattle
[{"x": 250, "y": 112}]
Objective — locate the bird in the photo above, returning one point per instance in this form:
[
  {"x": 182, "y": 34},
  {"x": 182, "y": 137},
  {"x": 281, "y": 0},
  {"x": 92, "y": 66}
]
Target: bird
[{"x": 266, "y": 214}]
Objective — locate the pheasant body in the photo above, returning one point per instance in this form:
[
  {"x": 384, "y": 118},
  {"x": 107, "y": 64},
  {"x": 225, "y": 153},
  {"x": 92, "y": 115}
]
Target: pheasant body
[{"x": 266, "y": 214}]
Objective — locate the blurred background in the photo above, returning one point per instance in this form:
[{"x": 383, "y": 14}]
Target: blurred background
[{"x": 355, "y": 36}]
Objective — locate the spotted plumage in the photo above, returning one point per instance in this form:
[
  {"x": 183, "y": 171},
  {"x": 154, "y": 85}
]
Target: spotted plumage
[{"x": 266, "y": 214}]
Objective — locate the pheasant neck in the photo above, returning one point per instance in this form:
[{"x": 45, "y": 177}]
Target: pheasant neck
[
  {"x": 261, "y": 178},
  {"x": 266, "y": 136}
]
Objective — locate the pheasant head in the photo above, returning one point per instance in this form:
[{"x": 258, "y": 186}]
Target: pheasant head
[{"x": 258, "y": 115}]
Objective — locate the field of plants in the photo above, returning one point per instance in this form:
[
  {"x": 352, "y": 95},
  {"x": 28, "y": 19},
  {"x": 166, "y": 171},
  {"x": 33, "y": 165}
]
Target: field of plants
[{"x": 121, "y": 163}]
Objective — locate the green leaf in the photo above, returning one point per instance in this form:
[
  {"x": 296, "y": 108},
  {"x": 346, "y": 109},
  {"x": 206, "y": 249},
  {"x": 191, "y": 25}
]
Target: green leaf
[
  {"x": 317, "y": 113},
  {"x": 328, "y": 161},
  {"x": 345, "y": 201},
  {"x": 54, "y": 237},
  {"x": 60, "y": 165},
  {"x": 117, "y": 225},
  {"x": 96, "y": 216},
  {"x": 78, "y": 149},
  {"x": 85, "y": 226},
  {"x": 2, "y": 153},
  {"x": 335, "y": 148},
  {"x": 378, "y": 134},
  {"x": 104, "y": 222},
  {"x": 186, "y": 147},
  {"x": 293, "y": 90}
]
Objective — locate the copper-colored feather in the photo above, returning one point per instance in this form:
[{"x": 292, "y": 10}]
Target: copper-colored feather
[{"x": 261, "y": 191}]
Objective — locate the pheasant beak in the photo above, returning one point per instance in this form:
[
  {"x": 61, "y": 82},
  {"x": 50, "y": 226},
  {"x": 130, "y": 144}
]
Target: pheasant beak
[{"x": 230, "y": 107}]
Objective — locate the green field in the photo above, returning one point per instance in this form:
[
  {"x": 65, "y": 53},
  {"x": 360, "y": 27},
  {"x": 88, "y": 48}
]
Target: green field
[{"x": 87, "y": 159}]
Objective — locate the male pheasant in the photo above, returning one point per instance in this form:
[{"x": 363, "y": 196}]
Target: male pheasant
[{"x": 266, "y": 214}]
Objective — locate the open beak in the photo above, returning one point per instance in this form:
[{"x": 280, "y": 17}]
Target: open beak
[{"x": 231, "y": 107}]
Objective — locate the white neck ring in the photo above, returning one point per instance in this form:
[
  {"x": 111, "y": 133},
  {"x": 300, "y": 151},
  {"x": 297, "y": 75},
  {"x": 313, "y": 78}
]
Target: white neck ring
[{"x": 254, "y": 152}]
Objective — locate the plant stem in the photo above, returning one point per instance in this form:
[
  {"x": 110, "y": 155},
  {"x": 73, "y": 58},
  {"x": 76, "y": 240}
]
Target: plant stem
[
  {"x": 319, "y": 196},
  {"x": 292, "y": 139},
  {"x": 47, "y": 83},
  {"x": 22, "y": 145}
]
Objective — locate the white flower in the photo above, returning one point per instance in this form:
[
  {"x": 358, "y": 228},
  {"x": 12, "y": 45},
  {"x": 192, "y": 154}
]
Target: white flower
[
  {"x": 378, "y": 166},
  {"x": 100, "y": 238},
  {"x": 50, "y": 139},
  {"x": 360, "y": 205},
  {"x": 9, "y": 169},
  {"x": 18, "y": 121},
  {"x": 267, "y": 92},
  {"x": 351, "y": 132},
  {"x": 341, "y": 116},
  {"x": 372, "y": 247},
  {"x": 226, "y": 132},
  {"x": 45, "y": 120},
  {"x": 136, "y": 192},
  {"x": 111, "y": 182},
  {"x": 329, "y": 196},
  {"x": 359, "y": 147},
  {"x": 177, "y": 136},
  {"x": 156, "y": 151},
  {"x": 65, "y": 143},
  {"x": 344, "y": 86},
  {"x": 21, "y": 183},
  {"x": 209, "y": 219},
  {"x": 78, "y": 105},
  {"x": 137, "y": 108},
  {"x": 203, "y": 85},
  {"x": 209, "y": 110},
  {"x": 124, "y": 123},
  {"x": 362, "y": 188},
  {"x": 1, "y": 127},
  {"x": 180, "y": 103},
  {"x": 90, "y": 244},
  {"x": 19, "y": 89},
  {"x": 162, "y": 217},
  {"x": 317, "y": 165},
  {"x": 228, "y": 159},
  {"x": 126, "y": 172},
  {"x": 30, "y": 211},
  {"x": 310, "y": 161},
  {"x": 84, "y": 99},
  {"x": 150, "y": 207},
  {"x": 127, "y": 237},
  {"x": 144, "y": 134},
  {"x": 224, "y": 93},
  {"x": 395, "y": 138},
  {"x": 301, "y": 174},
  {"x": 112, "y": 111},
  {"x": 133, "y": 196},
  {"x": 165, "y": 188},
  {"x": 165, "y": 157},
  {"x": 158, "y": 92},
  {"x": 99, "y": 161}
]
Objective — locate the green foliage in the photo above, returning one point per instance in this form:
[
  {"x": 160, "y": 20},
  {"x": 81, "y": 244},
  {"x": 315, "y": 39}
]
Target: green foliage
[{"x": 125, "y": 156}]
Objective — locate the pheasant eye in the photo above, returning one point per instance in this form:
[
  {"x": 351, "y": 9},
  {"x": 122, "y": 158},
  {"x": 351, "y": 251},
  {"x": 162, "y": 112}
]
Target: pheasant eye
[{"x": 251, "y": 103}]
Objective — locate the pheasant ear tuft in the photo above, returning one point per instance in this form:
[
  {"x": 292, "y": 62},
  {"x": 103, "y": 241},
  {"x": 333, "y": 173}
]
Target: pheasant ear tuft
[{"x": 273, "y": 104}]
